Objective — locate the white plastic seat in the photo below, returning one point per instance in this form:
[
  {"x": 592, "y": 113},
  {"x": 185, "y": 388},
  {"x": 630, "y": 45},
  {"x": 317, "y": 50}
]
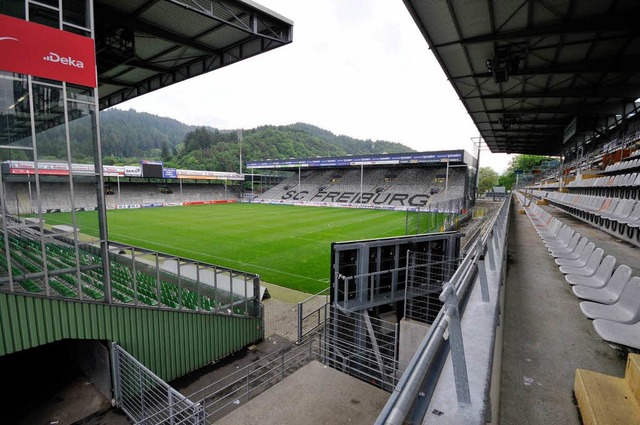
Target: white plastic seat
[
  {"x": 575, "y": 254},
  {"x": 581, "y": 260},
  {"x": 618, "y": 333},
  {"x": 569, "y": 248},
  {"x": 608, "y": 294},
  {"x": 589, "y": 269},
  {"x": 562, "y": 240},
  {"x": 626, "y": 310},
  {"x": 634, "y": 216},
  {"x": 599, "y": 278}
]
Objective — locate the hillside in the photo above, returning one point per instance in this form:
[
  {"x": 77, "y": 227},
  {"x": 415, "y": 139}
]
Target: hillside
[{"x": 129, "y": 136}]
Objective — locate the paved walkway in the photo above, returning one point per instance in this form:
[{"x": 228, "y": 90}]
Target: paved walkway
[
  {"x": 546, "y": 337},
  {"x": 316, "y": 395}
]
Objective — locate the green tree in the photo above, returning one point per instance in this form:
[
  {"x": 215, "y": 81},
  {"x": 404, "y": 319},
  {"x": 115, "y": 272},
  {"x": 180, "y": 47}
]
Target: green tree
[
  {"x": 526, "y": 163},
  {"x": 488, "y": 178},
  {"x": 164, "y": 151}
]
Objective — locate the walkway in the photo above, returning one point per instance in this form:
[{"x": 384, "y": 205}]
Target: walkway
[{"x": 546, "y": 337}]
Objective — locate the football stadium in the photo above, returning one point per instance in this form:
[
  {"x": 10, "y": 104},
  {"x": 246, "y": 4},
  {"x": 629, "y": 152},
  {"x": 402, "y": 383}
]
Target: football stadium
[{"x": 374, "y": 288}]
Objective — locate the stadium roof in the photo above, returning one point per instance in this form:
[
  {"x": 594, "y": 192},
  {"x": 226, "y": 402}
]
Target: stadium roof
[
  {"x": 144, "y": 45},
  {"x": 385, "y": 159},
  {"x": 525, "y": 69}
]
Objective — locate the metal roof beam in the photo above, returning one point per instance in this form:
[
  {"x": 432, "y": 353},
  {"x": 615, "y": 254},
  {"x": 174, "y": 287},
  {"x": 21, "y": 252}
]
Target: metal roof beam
[
  {"x": 630, "y": 63},
  {"x": 619, "y": 24},
  {"x": 137, "y": 24},
  {"x": 517, "y": 131},
  {"x": 541, "y": 122},
  {"x": 626, "y": 91},
  {"x": 576, "y": 109}
]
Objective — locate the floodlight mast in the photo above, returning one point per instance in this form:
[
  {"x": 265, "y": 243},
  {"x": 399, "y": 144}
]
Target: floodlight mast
[{"x": 240, "y": 134}]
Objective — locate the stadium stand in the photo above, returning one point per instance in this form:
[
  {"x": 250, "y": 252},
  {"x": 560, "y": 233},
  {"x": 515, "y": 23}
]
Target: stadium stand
[
  {"x": 388, "y": 186},
  {"x": 139, "y": 288},
  {"x": 21, "y": 197}
]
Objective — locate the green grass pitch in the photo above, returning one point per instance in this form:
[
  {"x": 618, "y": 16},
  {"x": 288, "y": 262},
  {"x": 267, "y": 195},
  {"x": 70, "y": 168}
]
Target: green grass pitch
[{"x": 285, "y": 245}]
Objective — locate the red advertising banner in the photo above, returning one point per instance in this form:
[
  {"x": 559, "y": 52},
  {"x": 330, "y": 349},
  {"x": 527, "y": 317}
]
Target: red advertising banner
[
  {"x": 34, "y": 49},
  {"x": 42, "y": 172}
]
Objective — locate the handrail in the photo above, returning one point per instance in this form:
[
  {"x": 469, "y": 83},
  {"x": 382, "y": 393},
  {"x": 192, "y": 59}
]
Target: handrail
[{"x": 400, "y": 402}]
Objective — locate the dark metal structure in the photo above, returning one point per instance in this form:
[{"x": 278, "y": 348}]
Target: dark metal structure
[
  {"x": 144, "y": 45},
  {"x": 538, "y": 76}
]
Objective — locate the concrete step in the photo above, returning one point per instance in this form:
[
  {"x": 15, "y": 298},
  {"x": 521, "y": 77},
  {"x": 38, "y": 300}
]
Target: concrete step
[
  {"x": 608, "y": 400},
  {"x": 632, "y": 375}
]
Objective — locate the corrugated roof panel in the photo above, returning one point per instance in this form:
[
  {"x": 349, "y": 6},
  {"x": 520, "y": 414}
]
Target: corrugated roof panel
[
  {"x": 454, "y": 59},
  {"x": 128, "y": 6},
  {"x": 180, "y": 56},
  {"x": 136, "y": 74},
  {"x": 509, "y": 15},
  {"x": 593, "y": 8},
  {"x": 148, "y": 47},
  {"x": 544, "y": 16},
  {"x": 223, "y": 37},
  {"x": 606, "y": 48},
  {"x": 473, "y": 14},
  {"x": 178, "y": 20},
  {"x": 167, "y": 42},
  {"x": 436, "y": 16},
  {"x": 543, "y": 56}
]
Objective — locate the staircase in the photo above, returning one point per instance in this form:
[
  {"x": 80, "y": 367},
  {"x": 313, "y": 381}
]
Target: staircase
[{"x": 609, "y": 400}]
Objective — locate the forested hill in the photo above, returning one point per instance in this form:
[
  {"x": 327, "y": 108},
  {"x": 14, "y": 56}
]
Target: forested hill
[
  {"x": 128, "y": 136},
  {"x": 131, "y": 134}
]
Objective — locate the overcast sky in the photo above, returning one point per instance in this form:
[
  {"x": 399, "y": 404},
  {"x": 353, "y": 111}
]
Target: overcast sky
[{"x": 359, "y": 68}]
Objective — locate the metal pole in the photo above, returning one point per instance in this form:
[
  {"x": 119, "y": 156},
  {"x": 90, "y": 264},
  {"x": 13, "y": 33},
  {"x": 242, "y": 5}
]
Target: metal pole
[
  {"x": 446, "y": 182},
  {"x": 300, "y": 309},
  {"x": 361, "y": 180},
  {"x": 240, "y": 144}
]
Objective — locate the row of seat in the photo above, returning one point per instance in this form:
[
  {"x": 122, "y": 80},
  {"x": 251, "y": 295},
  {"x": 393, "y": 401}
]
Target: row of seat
[
  {"x": 609, "y": 294},
  {"x": 623, "y": 165},
  {"x": 27, "y": 258},
  {"x": 617, "y": 180},
  {"x": 619, "y": 217}
]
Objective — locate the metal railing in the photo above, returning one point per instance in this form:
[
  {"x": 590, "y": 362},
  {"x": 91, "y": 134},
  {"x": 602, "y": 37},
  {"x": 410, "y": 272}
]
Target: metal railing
[
  {"x": 147, "y": 399},
  {"x": 312, "y": 313},
  {"x": 486, "y": 254},
  {"x": 210, "y": 287},
  {"x": 225, "y": 395}
]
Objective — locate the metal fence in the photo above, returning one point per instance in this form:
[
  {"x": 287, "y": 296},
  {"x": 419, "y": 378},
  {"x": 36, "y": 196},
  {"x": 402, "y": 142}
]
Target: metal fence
[
  {"x": 426, "y": 276},
  {"x": 146, "y": 398},
  {"x": 312, "y": 313},
  {"x": 168, "y": 281},
  {"x": 361, "y": 346},
  {"x": 280, "y": 317}
]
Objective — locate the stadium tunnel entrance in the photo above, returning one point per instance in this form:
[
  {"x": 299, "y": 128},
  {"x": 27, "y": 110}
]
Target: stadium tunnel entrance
[{"x": 74, "y": 374}]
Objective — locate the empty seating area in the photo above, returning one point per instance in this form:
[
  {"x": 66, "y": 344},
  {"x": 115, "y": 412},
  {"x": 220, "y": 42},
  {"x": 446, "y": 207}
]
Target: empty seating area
[
  {"x": 607, "y": 290},
  {"x": 148, "y": 193},
  {"x": 21, "y": 197},
  {"x": 392, "y": 186},
  {"x": 609, "y": 201},
  {"x": 68, "y": 281}
]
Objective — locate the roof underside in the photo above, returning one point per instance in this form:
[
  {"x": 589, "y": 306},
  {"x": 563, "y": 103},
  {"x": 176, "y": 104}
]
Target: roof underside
[
  {"x": 144, "y": 45},
  {"x": 524, "y": 69}
]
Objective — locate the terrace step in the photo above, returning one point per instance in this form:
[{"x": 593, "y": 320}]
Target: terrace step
[{"x": 609, "y": 400}]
